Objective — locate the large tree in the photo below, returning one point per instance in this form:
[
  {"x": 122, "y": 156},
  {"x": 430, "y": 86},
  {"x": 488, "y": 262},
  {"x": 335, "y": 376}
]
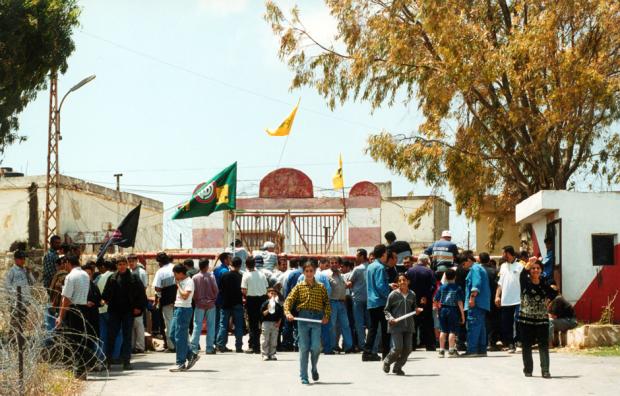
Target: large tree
[
  {"x": 35, "y": 38},
  {"x": 517, "y": 96}
]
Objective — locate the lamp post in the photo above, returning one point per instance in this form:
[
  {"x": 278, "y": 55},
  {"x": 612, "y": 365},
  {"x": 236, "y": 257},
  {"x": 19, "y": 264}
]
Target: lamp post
[
  {"x": 73, "y": 88},
  {"x": 51, "y": 189}
]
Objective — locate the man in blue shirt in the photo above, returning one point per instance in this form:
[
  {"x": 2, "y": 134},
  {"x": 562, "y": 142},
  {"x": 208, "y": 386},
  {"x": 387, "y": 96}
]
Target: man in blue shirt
[
  {"x": 477, "y": 305},
  {"x": 422, "y": 282},
  {"x": 218, "y": 272},
  {"x": 377, "y": 289},
  {"x": 357, "y": 284},
  {"x": 443, "y": 252},
  {"x": 289, "y": 332}
]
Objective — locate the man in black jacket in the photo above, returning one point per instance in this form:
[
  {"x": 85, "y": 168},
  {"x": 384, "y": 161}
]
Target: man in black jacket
[{"x": 125, "y": 296}]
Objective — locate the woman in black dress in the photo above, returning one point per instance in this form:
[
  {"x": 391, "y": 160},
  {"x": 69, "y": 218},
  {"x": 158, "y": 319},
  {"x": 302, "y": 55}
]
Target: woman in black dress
[{"x": 533, "y": 321}]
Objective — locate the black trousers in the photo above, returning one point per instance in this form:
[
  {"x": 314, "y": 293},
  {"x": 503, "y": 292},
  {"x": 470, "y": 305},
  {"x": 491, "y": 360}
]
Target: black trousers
[
  {"x": 252, "y": 307},
  {"x": 377, "y": 320},
  {"x": 120, "y": 322},
  {"x": 508, "y": 321},
  {"x": 75, "y": 332},
  {"x": 530, "y": 335},
  {"x": 493, "y": 325},
  {"x": 424, "y": 326}
]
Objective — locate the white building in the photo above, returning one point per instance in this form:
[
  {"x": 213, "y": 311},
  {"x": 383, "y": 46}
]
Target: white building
[
  {"x": 584, "y": 228},
  {"x": 88, "y": 213}
]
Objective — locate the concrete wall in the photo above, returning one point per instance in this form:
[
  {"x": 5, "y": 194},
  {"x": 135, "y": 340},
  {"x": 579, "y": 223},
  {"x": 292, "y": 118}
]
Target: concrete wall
[
  {"x": 396, "y": 210},
  {"x": 87, "y": 212}
]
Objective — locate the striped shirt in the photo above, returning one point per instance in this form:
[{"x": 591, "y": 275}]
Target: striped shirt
[
  {"x": 311, "y": 298},
  {"x": 76, "y": 286}
]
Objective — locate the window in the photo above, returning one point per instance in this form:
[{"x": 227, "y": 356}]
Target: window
[{"x": 603, "y": 249}]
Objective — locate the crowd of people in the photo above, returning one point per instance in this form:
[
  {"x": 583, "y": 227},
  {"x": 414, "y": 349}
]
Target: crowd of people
[{"x": 384, "y": 304}]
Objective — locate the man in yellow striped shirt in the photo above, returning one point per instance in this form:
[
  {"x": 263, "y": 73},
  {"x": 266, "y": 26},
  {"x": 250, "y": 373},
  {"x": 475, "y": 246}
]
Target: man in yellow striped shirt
[{"x": 309, "y": 299}]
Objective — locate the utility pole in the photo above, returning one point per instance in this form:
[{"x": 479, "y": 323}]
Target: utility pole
[
  {"x": 180, "y": 240},
  {"x": 118, "y": 181},
  {"x": 51, "y": 188},
  {"x": 52, "y": 216}
]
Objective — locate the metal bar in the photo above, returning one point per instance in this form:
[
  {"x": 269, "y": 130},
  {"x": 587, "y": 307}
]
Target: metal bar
[{"x": 20, "y": 341}]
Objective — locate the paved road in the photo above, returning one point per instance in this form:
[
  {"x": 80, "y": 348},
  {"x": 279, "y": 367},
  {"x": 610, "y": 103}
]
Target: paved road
[{"x": 241, "y": 374}]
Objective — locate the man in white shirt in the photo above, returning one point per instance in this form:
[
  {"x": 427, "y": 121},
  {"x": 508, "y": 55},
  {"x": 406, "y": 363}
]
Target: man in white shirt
[
  {"x": 137, "y": 333},
  {"x": 165, "y": 289},
  {"x": 254, "y": 287},
  {"x": 181, "y": 319},
  {"x": 508, "y": 297},
  {"x": 72, "y": 313}
]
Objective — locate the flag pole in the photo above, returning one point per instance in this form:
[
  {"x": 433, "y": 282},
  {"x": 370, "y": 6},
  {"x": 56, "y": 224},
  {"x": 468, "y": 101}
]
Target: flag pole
[
  {"x": 282, "y": 152},
  {"x": 234, "y": 238}
]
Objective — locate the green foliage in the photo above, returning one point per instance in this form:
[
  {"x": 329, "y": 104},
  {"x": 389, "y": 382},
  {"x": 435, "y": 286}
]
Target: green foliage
[
  {"x": 517, "y": 96},
  {"x": 35, "y": 38}
]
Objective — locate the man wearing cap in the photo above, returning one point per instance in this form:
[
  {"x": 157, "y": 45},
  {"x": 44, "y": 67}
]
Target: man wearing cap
[
  {"x": 19, "y": 275},
  {"x": 443, "y": 252},
  {"x": 165, "y": 286},
  {"x": 422, "y": 282},
  {"x": 270, "y": 258}
]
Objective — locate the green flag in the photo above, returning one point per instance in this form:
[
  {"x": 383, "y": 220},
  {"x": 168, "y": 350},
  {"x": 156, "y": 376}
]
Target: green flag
[{"x": 219, "y": 193}]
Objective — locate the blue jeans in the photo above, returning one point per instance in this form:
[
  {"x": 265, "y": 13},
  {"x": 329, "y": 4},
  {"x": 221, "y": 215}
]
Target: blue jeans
[
  {"x": 326, "y": 337},
  {"x": 199, "y": 316},
  {"x": 289, "y": 334},
  {"x": 222, "y": 337},
  {"x": 123, "y": 323},
  {"x": 104, "y": 318},
  {"x": 340, "y": 320},
  {"x": 179, "y": 329},
  {"x": 309, "y": 342},
  {"x": 362, "y": 321},
  {"x": 476, "y": 330}
]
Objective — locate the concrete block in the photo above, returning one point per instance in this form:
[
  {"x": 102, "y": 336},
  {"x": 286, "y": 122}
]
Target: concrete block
[{"x": 590, "y": 336}]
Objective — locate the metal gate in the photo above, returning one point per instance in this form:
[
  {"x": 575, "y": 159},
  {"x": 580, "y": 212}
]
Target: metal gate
[{"x": 295, "y": 233}]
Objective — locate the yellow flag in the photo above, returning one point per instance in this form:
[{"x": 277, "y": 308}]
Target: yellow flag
[
  {"x": 338, "y": 180},
  {"x": 285, "y": 128}
]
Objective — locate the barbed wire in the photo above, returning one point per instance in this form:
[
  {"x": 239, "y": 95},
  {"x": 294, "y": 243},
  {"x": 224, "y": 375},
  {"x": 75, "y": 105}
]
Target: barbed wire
[{"x": 37, "y": 360}]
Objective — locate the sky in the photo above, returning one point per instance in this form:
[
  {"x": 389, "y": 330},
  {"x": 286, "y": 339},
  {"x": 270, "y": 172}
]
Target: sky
[{"x": 183, "y": 89}]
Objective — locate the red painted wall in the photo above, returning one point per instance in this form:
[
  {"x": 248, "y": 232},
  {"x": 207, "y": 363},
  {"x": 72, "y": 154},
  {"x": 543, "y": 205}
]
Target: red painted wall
[
  {"x": 603, "y": 286},
  {"x": 286, "y": 183}
]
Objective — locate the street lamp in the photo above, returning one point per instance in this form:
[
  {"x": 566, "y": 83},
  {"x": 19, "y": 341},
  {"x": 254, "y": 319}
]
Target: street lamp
[
  {"x": 74, "y": 88},
  {"x": 52, "y": 217}
]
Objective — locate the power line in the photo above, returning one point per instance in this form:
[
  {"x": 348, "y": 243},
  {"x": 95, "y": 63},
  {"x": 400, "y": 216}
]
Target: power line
[
  {"x": 310, "y": 164},
  {"x": 218, "y": 81}
]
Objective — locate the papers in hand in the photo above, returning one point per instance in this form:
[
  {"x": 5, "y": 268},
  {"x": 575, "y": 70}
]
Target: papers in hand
[
  {"x": 309, "y": 320},
  {"x": 405, "y": 316}
]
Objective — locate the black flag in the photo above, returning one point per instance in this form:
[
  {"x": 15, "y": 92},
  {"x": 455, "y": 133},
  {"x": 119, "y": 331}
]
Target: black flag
[{"x": 125, "y": 234}]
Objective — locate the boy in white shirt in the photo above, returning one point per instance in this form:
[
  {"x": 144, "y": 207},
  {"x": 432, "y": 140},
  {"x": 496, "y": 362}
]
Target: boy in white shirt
[{"x": 181, "y": 319}]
